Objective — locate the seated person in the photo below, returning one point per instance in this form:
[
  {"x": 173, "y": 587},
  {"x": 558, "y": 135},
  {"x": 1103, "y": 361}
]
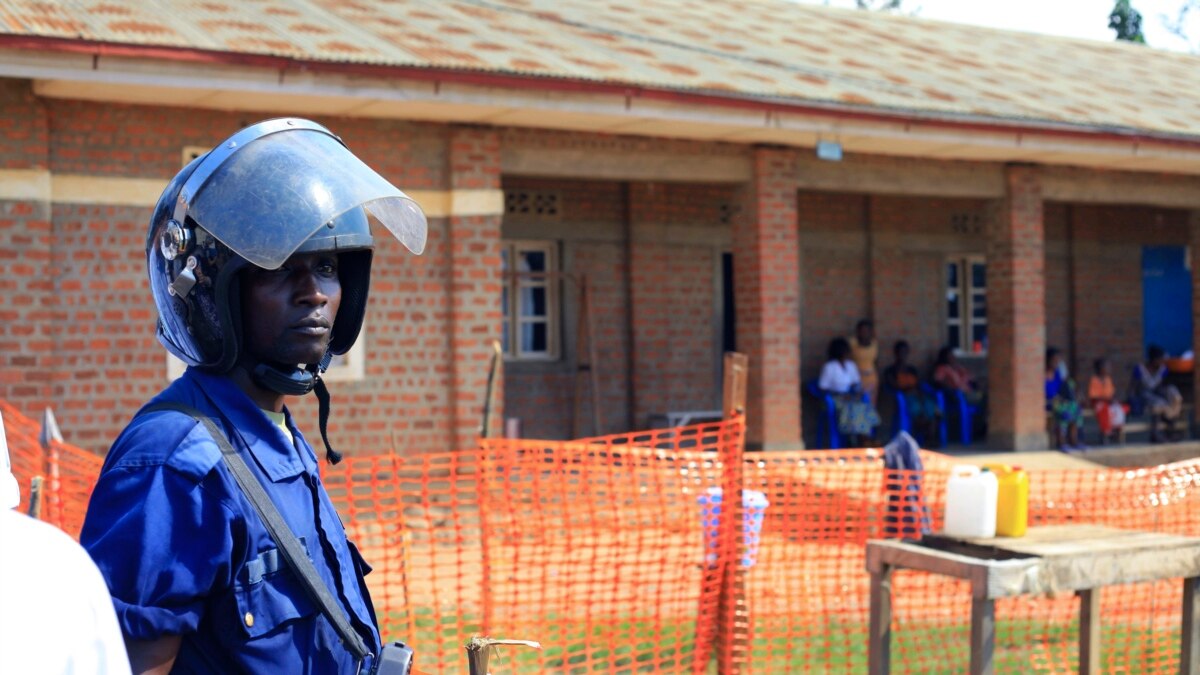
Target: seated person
[
  {"x": 950, "y": 375},
  {"x": 1102, "y": 396},
  {"x": 1148, "y": 390},
  {"x": 902, "y": 377},
  {"x": 1061, "y": 402},
  {"x": 857, "y": 418}
]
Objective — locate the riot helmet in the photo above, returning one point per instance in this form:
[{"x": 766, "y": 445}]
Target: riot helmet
[{"x": 271, "y": 190}]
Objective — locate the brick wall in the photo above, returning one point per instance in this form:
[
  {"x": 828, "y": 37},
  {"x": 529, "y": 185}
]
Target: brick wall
[
  {"x": 766, "y": 262},
  {"x": 912, "y": 239},
  {"x": 679, "y": 231},
  {"x": 78, "y": 326},
  {"x": 603, "y": 264},
  {"x": 1058, "y": 283},
  {"x": 677, "y": 235},
  {"x": 109, "y": 362},
  {"x": 1108, "y": 279},
  {"x": 27, "y": 358},
  {"x": 475, "y": 313},
  {"x": 24, "y": 129},
  {"x": 833, "y": 258},
  {"x": 1016, "y": 314},
  {"x": 589, "y": 231},
  {"x": 883, "y": 258},
  {"x": 147, "y": 141},
  {"x": 78, "y": 331}
]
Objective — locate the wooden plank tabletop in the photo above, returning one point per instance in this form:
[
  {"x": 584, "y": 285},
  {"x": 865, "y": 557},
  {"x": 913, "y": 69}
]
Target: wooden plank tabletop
[
  {"x": 1047, "y": 560},
  {"x": 1059, "y": 540}
]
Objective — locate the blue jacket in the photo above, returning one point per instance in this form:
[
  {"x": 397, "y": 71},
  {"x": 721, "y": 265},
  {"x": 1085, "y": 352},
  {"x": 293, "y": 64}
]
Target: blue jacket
[{"x": 184, "y": 553}]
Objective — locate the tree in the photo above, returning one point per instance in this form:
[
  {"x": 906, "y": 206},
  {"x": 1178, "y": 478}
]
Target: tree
[
  {"x": 1127, "y": 22},
  {"x": 1178, "y": 24}
]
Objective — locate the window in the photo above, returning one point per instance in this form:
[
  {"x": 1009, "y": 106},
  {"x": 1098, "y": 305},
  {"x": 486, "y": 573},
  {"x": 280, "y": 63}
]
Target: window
[
  {"x": 530, "y": 300},
  {"x": 348, "y": 367},
  {"x": 966, "y": 304}
]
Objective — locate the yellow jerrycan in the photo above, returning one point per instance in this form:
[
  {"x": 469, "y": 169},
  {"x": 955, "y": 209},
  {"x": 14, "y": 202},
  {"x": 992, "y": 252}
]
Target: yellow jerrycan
[{"x": 1012, "y": 500}]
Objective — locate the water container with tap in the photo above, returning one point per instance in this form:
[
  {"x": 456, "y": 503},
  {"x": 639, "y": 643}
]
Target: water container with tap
[{"x": 971, "y": 502}]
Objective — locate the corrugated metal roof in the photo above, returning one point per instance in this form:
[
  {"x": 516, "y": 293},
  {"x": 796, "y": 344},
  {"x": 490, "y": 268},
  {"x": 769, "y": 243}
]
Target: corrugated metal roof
[{"x": 773, "y": 49}]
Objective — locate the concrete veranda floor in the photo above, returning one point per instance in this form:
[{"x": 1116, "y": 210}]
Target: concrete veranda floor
[{"x": 1128, "y": 455}]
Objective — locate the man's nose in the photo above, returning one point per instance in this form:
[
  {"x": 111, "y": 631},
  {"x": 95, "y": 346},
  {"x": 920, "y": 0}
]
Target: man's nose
[{"x": 309, "y": 289}]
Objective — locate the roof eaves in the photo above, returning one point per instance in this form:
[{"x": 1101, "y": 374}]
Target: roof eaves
[{"x": 583, "y": 84}]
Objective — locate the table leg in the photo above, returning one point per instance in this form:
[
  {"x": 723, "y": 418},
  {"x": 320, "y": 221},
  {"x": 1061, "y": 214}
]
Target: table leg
[
  {"x": 983, "y": 635},
  {"x": 880, "y": 640},
  {"x": 1089, "y": 632},
  {"x": 1189, "y": 655}
]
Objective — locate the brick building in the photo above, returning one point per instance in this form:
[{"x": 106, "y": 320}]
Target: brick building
[{"x": 996, "y": 190}]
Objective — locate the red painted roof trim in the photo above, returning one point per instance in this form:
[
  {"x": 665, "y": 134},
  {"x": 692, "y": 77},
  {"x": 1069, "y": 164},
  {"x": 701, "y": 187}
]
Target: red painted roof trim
[{"x": 518, "y": 81}]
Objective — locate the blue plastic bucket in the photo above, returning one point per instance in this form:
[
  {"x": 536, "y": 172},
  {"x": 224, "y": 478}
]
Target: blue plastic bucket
[{"x": 754, "y": 507}]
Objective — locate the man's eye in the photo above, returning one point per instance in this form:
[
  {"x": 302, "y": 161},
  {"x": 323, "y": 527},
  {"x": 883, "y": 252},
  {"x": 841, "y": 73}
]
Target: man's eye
[{"x": 327, "y": 267}]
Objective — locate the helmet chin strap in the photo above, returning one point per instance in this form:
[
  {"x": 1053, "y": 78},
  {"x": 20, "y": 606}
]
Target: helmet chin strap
[{"x": 298, "y": 382}]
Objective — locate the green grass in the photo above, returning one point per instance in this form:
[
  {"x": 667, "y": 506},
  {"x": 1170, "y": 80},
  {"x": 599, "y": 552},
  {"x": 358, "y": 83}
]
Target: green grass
[{"x": 833, "y": 645}]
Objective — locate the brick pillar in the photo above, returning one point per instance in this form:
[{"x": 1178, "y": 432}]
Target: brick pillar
[
  {"x": 1017, "y": 315},
  {"x": 28, "y": 304},
  {"x": 1194, "y": 250},
  {"x": 476, "y": 211},
  {"x": 766, "y": 259}
]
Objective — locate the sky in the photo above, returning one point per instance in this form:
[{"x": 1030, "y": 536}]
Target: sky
[{"x": 1073, "y": 18}]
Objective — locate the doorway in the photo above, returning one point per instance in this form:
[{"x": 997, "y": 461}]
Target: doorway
[{"x": 1167, "y": 298}]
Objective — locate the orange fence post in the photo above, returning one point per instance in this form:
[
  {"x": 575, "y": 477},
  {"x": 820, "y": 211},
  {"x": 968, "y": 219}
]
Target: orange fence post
[{"x": 734, "y": 627}]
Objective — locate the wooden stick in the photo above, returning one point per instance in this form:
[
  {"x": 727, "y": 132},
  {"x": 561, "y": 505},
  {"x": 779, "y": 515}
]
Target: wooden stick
[{"x": 493, "y": 369}]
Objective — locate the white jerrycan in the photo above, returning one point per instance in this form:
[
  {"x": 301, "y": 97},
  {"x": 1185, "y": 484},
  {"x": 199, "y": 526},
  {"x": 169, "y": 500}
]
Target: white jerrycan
[{"x": 971, "y": 502}]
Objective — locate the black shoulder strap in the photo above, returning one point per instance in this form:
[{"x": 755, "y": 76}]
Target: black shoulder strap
[{"x": 285, "y": 540}]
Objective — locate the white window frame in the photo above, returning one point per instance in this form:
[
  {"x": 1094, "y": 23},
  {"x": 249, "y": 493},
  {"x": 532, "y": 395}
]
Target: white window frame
[
  {"x": 966, "y": 321},
  {"x": 510, "y": 312},
  {"x": 350, "y": 367}
]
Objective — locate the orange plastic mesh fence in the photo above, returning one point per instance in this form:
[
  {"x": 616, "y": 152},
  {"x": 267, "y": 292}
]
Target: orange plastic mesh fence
[
  {"x": 809, "y": 595},
  {"x": 612, "y": 552},
  {"x": 69, "y": 472},
  {"x": 598, "y": 549}
]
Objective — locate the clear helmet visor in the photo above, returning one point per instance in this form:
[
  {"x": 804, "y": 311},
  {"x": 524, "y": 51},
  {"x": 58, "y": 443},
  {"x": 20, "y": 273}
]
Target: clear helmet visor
[{"x": 271, "y": 186}]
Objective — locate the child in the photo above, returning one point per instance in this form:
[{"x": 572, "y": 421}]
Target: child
[
  {"x": 1110, "y": 413},
  {"x": 1061, "y": 402}
]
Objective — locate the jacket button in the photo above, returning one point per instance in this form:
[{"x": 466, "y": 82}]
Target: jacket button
[{"x": 249, "y": 620}]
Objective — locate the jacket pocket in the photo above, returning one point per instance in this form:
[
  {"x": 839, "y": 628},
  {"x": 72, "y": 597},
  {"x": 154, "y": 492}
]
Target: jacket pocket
[{"x": 270, "y": 595}]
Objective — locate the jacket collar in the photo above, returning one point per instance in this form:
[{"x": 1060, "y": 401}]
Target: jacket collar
[{"x": 274, "y": 453}]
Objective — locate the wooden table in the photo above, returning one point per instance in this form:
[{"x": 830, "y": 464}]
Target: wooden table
[{"x": 1081, "y": 558}]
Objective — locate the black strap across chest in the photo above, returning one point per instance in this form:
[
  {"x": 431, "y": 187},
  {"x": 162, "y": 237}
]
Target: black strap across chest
[{"x": 289, "y": 546}]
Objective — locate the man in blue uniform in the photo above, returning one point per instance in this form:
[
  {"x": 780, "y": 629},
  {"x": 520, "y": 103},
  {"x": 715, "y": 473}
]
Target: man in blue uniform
[{"x": 259, "y": 259}]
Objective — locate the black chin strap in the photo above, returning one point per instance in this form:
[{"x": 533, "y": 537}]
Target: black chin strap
[
  {"x": 296, "y": 382},
  {"x": 332, "y": 456},
  {"x": 299, "y": 382}
]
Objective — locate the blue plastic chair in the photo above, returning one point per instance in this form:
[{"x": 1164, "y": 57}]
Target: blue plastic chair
[
  {"x": 903, "y": 420},
  {"x": 827, "y": 426},
  {"x": 940, "y": 398},
  {"x": 966, "y": 413},
  {"x": 827, "y": 419},
  {"x": 1137, "y": 404}
]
